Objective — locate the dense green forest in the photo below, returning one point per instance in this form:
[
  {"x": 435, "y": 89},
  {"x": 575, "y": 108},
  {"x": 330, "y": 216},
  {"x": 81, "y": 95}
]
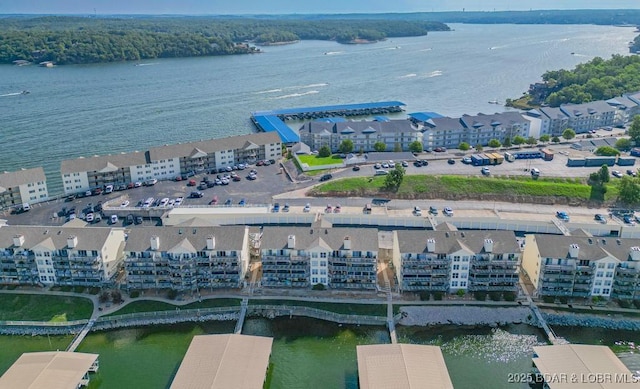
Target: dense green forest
[
  {"x": 597, "y": 79},
  {"x": 72, "y": 40}
]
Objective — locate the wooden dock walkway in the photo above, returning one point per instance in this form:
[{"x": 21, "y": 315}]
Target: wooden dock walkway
[
  {"x": 80, "y": 336},
  {"x": 243, "y": 314}
]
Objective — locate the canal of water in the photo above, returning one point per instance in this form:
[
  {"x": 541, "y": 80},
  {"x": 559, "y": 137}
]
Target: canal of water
[{"x": 309, "y": 353}]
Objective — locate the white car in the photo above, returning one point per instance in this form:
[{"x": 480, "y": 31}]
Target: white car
[
  {"x": 417, "y": 211},
  {"x": 124, "y": 204},
  {"x": 164, "y": 202},
  {"x": 179, "y": 201},
  {"x": 307, "y": 208},
  {"x": 114, "y": 219},
  {"x": 447, "y": 211},
  {"x": 171, "y": 203},
  {"x": 485, "y": 171},
  {"x": 89, "y": 217},
  {"x": 616, "y": 173},
  {"x": 385, "y": 165}
]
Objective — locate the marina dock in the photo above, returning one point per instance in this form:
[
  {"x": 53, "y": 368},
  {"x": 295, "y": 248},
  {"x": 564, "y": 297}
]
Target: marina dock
[{"x": 274, "y": 120}]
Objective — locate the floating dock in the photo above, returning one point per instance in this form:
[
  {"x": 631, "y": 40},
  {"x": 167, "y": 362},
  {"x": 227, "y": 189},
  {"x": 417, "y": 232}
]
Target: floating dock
[{"x": 274, "y": 120}]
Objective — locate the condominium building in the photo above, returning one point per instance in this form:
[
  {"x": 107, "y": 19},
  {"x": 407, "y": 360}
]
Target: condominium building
[
  {"x": 23, "y": 186},
  {"x": 395, "y": 134},
  {"x": 340, "y": 258},
  {"x": 213, "y": 154},
  {"x": 589, "y": 116},
  {"x": 474, "y": 130},
  {"x": 554, "y": 120},
  {"x": 51, "y": 255},
  {"x": 168, "y": 162},
  {"x": 447, "y": 261},
  {"x": 82, "y": 174},
  {"x": 626, "y": 106},
  {"x": 582, "y": 266},
  {"x": 187, "y": 258}
]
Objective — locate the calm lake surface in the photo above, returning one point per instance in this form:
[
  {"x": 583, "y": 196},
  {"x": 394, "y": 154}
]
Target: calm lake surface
[{"x": 85, "y": 110}]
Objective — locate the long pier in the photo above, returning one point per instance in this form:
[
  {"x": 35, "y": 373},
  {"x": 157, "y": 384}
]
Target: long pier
[
  {"x": 553, "y": 339},
  {"x": 80, "y": 336},
  {"x": 243, "y": 314}
]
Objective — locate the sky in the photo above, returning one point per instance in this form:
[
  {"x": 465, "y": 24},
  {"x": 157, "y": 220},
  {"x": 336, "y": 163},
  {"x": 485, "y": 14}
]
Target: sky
[{"x": 195, "y": 7}]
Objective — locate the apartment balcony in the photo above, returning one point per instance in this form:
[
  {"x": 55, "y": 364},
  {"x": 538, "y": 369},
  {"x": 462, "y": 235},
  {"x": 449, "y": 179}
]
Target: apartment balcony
[
  {"x": 625, "y": 288},
  {"x": 351, "y": 285}
]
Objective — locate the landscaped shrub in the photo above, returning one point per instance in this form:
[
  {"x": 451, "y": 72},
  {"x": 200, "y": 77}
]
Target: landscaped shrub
[
  {"x": 549, "y": 299},
  {"x": 438, "y": 295},
  {"x": 563, "y": 299},
  {"x": 94, "y": 290},
  {"x": 319, "y": 287},
  {"x": 624, "y": 303},
  {"x": 78, "y": 289},
  {"x": 425, "y": 296},
  {"x": 116, "y": 296},
  {"x": 509, "y": 296},
  {"x": 480, "y": 296},
  {"x": 104, "y": 297},
  {"x": 636, "y": 303},
  {"x": 460, "y": 292},
  {"x": 172, "y": 294},
  {"x": 495, "y": 296},
  {"x": 134, "y": 294}
]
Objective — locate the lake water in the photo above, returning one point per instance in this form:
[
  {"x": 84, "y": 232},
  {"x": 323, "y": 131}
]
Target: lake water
[{"x": 86, "y": 110}]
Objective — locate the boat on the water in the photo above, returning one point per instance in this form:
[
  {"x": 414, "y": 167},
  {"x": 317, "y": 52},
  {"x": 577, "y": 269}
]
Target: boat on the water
[
  {"x": 494, "y": 102},
  {"x": 25, "y": 92}
]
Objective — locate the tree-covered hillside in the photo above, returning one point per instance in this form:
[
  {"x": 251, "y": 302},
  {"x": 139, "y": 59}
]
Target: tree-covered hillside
[
  {"x": 69, "y": 40},
  {"x": 597, "y": 79}
]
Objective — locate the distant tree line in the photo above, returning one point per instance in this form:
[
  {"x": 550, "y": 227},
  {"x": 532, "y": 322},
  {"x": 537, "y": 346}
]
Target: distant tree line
[
  {"x": 597, "y": 79},
  {"x": 73, "y": 40}
]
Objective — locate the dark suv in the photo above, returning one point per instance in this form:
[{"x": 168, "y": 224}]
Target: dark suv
[{"x": 326, "y": 177}]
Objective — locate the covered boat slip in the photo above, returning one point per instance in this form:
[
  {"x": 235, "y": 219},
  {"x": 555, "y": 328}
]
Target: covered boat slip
[
  {"x": 224, "y": 361},
  {"x": 582, "y": 366},
  {"x": 402, "y": 366},
  {"x": 51, "y": 370}
]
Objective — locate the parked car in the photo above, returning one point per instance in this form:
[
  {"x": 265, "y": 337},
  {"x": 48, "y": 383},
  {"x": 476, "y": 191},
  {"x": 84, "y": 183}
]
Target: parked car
[
  {"x": 451, "y": 161},
  {"x": 447, "y": 211},
  {"x": 196, "y": 194},
  {"x": 125, "y": 204},
  {"x": 600, "y": 218},
  {"x": 228, "y": 202},
  {"x": 485, "y": 171},
  {"x": 164, "y": 202},
  {"x": 385, "y": 165},
  {"x": 329, "y": 209},
  {"x": 237, "y": 178},
  {"x": 417, "y": 211},
  {"x": 89, "y": 217},
  {"x": 628, "y": 219},
  {"x": 440, "y": 149},
  {"x": 138, "y": 220},
  {"x": 108, "y": 189},
  {"x": 326, "y": 177},
  {"x": 337, "y": 209},
  {"x": 242, "y": 202},
  {"x": 285, "y": 208},
  {"x": 114, "y": 219},
  {"x": 405, "y": 164},
  {"x": 251, "y": 177},
  {"x": 214, "y": 201},
  {"x": 467, "y": 160},
  {"x": 192, "y": 183},
  {"x": 179, "y": 201},
  {"x": 377, "y": 166},
  {"x": 616, "y": 173},
  {"x": 433, "y": 210},
  {"x": 276, "y": 207},
  {"x": 356, "y": 168},
  {"x": 562, "y": 215},
  {"x": 151, "y": 182},
  {"x": 535, "y": 172},
  {"x": 137, "y": 184},
  {"x": 130, "y": 219},
  {"x": 307, "y": 208},
  {"x": 632, "y": 173},
  {"x": 202, "y": 186}
]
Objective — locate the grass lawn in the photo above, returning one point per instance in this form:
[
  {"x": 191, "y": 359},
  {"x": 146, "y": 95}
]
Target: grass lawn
[
  {"x": 153, "y": 306},
  {"x": 449, "y": 184},
  {"x": 314, "y": 160},
  {"x": 344, "y": 308},
  {"x": 39, "y": 307}
]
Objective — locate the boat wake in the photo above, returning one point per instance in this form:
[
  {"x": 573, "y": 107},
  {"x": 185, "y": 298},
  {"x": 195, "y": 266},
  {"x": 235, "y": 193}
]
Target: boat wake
[
  {"x": 435, "y": 73},
  {"x": 427, "y": 49},
  {"x": 410, "y": 75},
  {"x": 12, "y": 94},
  {"x": 311, "y": 92},
  {"x": 148, "y": 64},
  {"x": 268, "y": 91},
  {"x": 309, "y": 86},
  {"x": 333, "y": 52},
  {"x": 291, "y": 88}
]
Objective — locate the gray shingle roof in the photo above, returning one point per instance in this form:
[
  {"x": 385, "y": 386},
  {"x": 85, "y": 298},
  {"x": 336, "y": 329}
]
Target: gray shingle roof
[
  {"x": 447, "y": 242},
  {"x": 362, "y": 239},
  {"x": 55, "y": 237},
  {"x": 359, "y": 127},
  {"x": 586, "y": 109},
  {"x": 213, "y": 145},
  {"x": 553, "y": 113},
  {"x": 590, "y": 248},
  {"x": 20, "y": 177},
  {"x": 496, "y": 119},
  {"x": 103, "y": 162},
  {"x": 444, "y": 123},
  {"x": 226, "y": 238}
]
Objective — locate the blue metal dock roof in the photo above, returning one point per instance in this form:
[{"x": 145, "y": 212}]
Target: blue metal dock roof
[
  {"x": 424, "y": 116},
  {"x": 330, "y": 108},
  {"x": 381, "y": 119},
  {"x": 270, "y": 123},
  {"x": 331, "y": 120}
]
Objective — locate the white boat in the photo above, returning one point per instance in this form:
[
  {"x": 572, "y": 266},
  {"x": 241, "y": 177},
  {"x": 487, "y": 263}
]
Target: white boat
[{"x": 494, "y": 102}]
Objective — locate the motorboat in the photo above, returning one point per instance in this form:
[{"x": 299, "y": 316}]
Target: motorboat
[{"x": 25, "y": 92}]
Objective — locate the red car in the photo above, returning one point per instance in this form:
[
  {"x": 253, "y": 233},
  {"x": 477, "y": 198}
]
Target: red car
[
  {"x": 214, "y": 201},
  {"x": 192, "y": 183},
  {"x": 179, "y": 178},
  {"x": 130, "y": 185},
  {"x": 260, "y": 163}
]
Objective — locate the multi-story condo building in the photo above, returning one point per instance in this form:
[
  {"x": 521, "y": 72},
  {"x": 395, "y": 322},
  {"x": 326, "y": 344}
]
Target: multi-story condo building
[
  {"x": 83, "y": 174},
  {"x": 581, "y": 266},
  {"x": 60, "y": 255},
  {"x": 168, "y": 162},
  {"x": 213, "y": 154},
  {"x": 395, "y": 134},
  {"x": 23, "y": 186},
  {"x": 589, "y": 116},
  {"x": 554, "y": 120},
  {"x": 474, "y": 130},
  {"x": 447, "y": 261},
  {"x": 340, "y": 258},
  {"x": 187, "y": 258},
  {"x": 625, "y": 107}
]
